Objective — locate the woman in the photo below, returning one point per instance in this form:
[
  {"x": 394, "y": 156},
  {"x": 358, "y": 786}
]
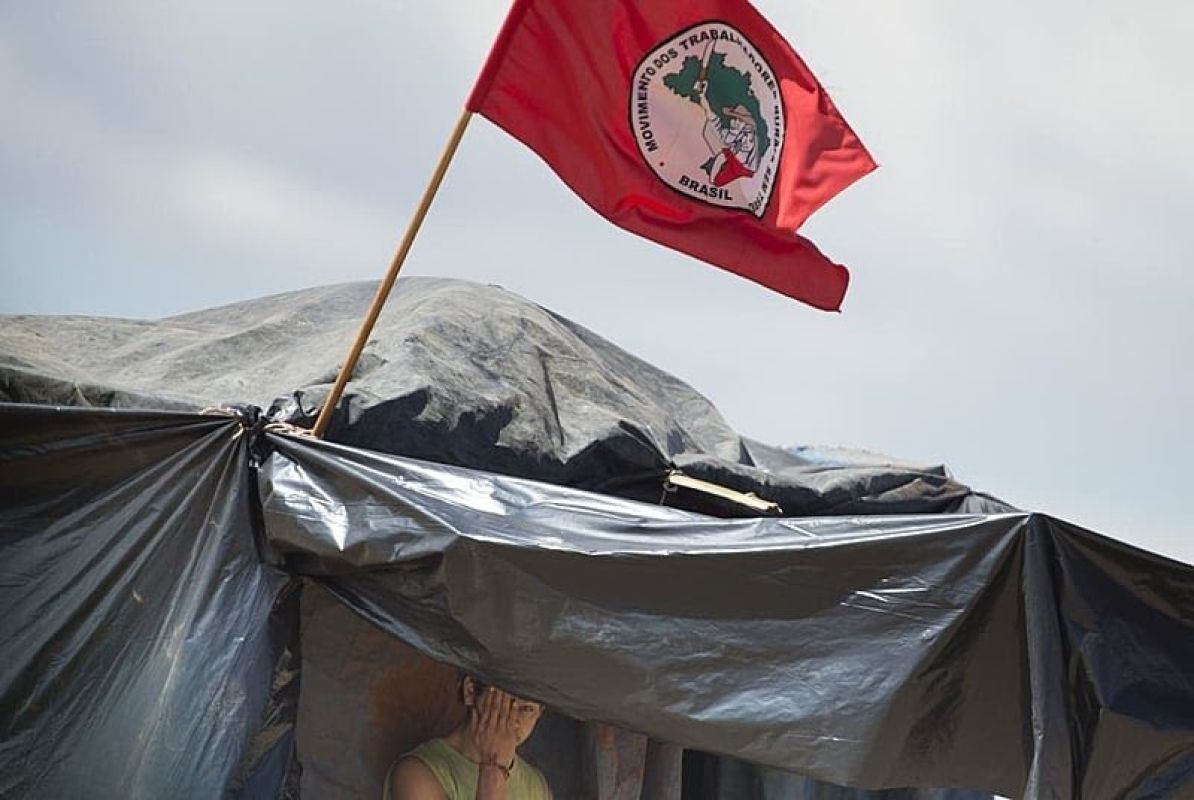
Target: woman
[{"x": 477, "y": 760}]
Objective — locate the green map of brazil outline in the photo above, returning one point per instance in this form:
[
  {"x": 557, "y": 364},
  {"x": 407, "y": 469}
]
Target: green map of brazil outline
[{"x": 725, "y": 88}]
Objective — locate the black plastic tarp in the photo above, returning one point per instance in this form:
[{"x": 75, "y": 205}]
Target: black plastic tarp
[
  {"x": 1012, "y": 653},
  {"x": 148, "y": 643},
  {"x": 146, "y": 650},
  {"x": 149, "y": 632}
]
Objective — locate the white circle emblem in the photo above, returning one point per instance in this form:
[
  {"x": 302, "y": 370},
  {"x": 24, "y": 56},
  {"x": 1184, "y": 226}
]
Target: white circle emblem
[{"x": 706, "y": 112}]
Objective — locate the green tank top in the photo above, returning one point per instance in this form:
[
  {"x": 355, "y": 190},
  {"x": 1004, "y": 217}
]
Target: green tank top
[{"x": 458, "y": 775}]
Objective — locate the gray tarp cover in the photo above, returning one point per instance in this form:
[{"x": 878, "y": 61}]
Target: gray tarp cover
[
  {"x": 455, "y": 373},
  {"x": 147, "y": 640}
]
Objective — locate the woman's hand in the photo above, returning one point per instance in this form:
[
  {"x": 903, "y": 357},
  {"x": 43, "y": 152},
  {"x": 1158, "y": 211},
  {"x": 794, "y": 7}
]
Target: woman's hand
[{"x": 495, "y": 729}]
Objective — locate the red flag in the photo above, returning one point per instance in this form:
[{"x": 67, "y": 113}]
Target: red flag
[{"x": 690, "y": 123}]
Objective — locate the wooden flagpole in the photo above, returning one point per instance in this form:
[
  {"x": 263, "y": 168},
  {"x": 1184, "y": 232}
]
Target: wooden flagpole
[{"x": 383, "y": 291}]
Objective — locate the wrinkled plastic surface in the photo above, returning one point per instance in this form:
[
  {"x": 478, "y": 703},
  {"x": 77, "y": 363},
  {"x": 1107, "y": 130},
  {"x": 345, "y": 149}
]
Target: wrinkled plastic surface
[
  {"x": 1009, "y": 653},
  {"x": 145, "y": 649},
  {"x": 1092, "y": 635},
  {"x": 464, "y": 374}
]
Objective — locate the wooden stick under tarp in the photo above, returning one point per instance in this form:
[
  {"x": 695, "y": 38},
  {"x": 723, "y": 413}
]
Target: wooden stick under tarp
[{"x": 383, "y": 291}]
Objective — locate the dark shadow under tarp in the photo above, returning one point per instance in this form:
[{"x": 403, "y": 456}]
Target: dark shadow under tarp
[{"x": 148, "y": 641}]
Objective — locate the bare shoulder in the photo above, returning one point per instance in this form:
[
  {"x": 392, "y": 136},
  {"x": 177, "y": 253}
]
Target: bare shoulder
[
  {"x": 540, "y": 780},
  {"x": 411, "y": 779}
]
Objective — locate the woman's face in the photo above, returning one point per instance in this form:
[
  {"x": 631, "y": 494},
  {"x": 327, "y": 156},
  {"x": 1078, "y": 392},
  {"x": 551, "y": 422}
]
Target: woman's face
[{"x": 525, "y": 714}]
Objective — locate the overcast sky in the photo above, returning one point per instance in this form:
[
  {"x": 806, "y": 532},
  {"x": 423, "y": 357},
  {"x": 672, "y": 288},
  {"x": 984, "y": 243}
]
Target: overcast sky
[{"x": 1020, "y": 306}]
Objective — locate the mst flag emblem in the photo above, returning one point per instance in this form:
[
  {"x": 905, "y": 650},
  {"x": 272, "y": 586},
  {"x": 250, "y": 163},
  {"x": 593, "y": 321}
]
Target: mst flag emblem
[{"x": 707, "y": 114}]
